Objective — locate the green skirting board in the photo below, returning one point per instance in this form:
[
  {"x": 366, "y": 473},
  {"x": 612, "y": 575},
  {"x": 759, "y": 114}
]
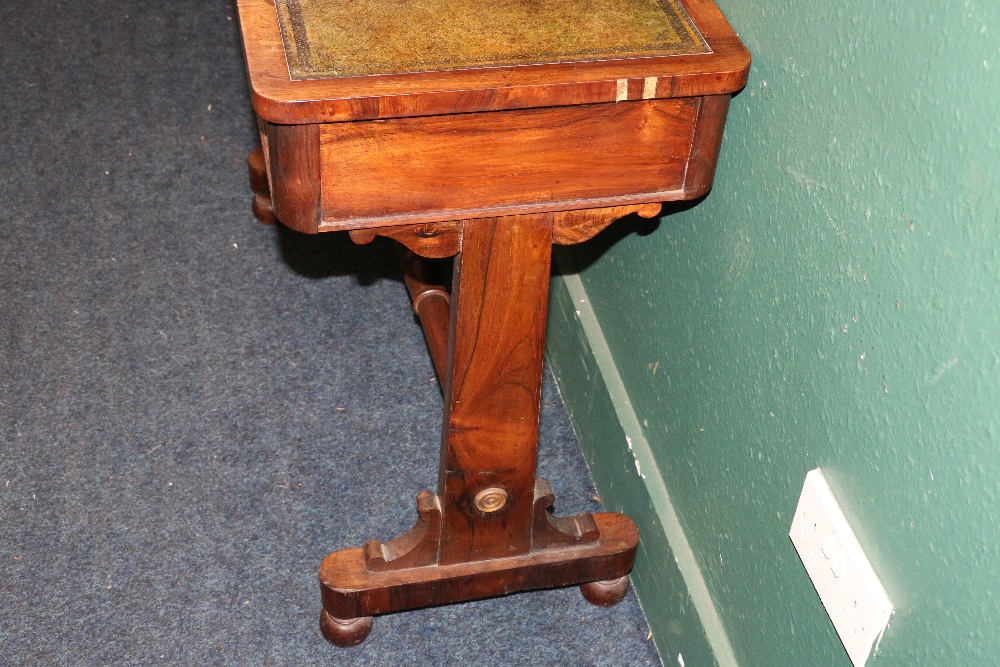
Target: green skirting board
[{"x": 668, "y": 581}]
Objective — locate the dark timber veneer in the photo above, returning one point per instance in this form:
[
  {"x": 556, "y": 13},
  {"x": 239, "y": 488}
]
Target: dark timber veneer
[{"x": 484, "y": 132}]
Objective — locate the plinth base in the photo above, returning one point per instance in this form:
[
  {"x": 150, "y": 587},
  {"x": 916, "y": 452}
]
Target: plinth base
[{"x": 351, "y": 591}]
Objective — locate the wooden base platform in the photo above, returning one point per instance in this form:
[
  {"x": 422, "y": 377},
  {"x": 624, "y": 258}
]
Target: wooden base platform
[{"x": 352, "y": 592}]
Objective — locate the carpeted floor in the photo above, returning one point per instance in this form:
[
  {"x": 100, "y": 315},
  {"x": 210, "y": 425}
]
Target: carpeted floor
[{"x": 196, "y": 408}]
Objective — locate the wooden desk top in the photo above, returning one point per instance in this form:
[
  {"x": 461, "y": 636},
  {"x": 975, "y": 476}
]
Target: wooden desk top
[{"x": 313, "y": 61}]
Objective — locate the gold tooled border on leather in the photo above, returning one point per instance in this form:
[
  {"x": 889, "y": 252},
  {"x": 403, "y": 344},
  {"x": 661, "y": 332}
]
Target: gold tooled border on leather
[{"x": 344, "y": 38}]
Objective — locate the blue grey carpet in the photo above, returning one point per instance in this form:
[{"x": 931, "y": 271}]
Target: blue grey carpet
[{"x": 196, "y": 408}]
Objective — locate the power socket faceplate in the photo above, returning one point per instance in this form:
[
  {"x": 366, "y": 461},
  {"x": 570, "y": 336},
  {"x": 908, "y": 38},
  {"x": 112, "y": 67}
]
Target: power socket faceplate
[{"x": 840, "y": 571}]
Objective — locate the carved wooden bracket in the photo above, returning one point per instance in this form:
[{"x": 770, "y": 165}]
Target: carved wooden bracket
[
  {"x": 436, "y": 240},
  {"x": 571, "y": 227},
  {"x": 548, "y": 531},
  {"x": 418, "y": 547},
  {"x": 433, "y": 240},
  {"x": 415, "y": 548}
]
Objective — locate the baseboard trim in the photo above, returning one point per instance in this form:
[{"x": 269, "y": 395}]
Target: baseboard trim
[{"x": 572, "y": 309}]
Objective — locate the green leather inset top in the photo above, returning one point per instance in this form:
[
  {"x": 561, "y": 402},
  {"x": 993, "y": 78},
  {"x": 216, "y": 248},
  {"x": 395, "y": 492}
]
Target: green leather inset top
[{"x": 334, "y": 38}]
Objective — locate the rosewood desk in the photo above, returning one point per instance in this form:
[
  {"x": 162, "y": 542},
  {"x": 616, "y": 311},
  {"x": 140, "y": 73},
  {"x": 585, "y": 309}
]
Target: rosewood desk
[{"x": 484, "y": 132}]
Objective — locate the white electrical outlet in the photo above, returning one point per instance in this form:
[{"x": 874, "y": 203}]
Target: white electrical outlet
[{"x": 840, "y": 571}]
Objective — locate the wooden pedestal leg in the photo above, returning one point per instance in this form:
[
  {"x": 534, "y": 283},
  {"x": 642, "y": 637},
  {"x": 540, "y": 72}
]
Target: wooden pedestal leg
[
  {"x": 488, "y": 530},
  {"x": 492, "y": 390}
]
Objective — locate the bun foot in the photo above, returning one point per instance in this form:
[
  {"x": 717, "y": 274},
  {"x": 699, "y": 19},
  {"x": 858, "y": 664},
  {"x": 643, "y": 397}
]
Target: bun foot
[
  {"x": 605, "y": 593},
  {"x": 347, "y": 633}
]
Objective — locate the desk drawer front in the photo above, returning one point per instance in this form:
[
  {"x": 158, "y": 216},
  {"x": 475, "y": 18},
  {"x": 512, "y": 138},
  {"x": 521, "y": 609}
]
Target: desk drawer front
[{"x": 450, "y": 167}]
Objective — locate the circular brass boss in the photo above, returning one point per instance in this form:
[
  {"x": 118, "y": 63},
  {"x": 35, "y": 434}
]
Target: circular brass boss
[{"x": 491, "y": 500}]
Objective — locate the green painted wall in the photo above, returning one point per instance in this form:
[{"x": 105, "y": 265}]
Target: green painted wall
[{"x": 833, "y": 303}]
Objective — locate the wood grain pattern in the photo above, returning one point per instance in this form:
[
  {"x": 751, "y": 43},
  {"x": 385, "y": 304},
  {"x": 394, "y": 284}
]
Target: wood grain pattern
[
  {"x": 416, "y": 548},
  {"x": 449, "y": 167},
  {"x": 442, "y": 169},
  {"x": 705, "y": 145},
  {"x": 294, "y": 170},
  {"x": 492, "y": 390},
  {"x": 434, "y": 241},
  {"x": 549, "y": 531},
  {"x": 349, "y": 590},
  {"x": 571, "y": 227},
  {"x": 279, "y": 99}
]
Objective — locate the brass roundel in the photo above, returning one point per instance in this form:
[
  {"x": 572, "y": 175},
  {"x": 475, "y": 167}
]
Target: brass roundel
[{"x": 491, "y": 500}]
